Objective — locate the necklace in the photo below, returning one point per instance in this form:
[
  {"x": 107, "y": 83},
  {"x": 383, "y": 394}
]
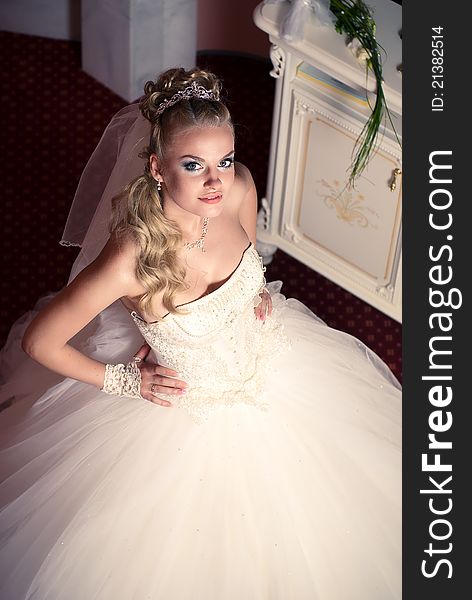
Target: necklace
[{"x": 199, "y": 243}]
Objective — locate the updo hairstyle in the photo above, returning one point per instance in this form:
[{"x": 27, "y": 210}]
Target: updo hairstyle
[{"x": 185, "y": 114}]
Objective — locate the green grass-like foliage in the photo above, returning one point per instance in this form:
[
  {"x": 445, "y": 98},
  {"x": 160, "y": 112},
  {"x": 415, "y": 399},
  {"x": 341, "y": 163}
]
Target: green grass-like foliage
[{"x": 354, "y": 19}]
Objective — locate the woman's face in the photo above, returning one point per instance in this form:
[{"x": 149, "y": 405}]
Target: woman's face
[{"x": 198, "y": 170}]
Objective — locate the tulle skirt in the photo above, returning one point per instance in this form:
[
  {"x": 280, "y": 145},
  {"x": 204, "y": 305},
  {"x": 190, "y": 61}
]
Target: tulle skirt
[{"x": 117, "y": 498}]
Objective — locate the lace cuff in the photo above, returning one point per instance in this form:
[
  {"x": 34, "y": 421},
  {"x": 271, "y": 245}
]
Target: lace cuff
[{"x": 122, "y": 380}]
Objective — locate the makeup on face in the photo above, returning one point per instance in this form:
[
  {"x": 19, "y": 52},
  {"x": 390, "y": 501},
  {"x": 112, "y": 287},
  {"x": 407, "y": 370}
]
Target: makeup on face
[
  {"x": 198, "y": 170},
  {"x": 196, "y": 164}
]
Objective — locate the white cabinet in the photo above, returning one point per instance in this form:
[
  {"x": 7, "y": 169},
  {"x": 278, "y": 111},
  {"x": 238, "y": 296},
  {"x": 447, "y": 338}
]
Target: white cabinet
[{"x": 351, "y": 236}]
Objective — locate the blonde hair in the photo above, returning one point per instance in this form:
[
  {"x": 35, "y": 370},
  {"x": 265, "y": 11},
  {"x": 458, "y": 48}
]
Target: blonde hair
[{"x": 137, "y": 211}]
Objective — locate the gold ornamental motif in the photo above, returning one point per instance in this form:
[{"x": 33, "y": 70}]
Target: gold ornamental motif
[{"x": 349, "y": 205}]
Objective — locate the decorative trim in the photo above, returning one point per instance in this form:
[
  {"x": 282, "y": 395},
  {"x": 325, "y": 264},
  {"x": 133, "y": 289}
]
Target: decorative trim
[
  {"x": 277, "y": 56},
  {"x": 291, "y": 234},
  {"x": 301, "y": 108},
  {"x": 324, "y": 262},
  {"x": 349, "y": 205},
  {"x": 263, "y": 215},
  {"x": 66, "y": 243},
  {"x": 385, "y": 292}
]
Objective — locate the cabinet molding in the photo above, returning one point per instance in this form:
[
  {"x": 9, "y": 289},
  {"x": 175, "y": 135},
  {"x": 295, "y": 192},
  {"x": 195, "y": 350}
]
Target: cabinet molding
[{"x": 349, "y": 235}]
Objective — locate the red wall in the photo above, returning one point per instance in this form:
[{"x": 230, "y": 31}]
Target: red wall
[{"x": 228, "y": 25}]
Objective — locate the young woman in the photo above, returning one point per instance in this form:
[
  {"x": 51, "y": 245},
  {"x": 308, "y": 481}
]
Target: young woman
[{"x": 246, "y": 451}]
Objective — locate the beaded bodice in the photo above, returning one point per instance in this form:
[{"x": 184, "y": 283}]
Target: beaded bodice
[{"x": 218, "y": 346}]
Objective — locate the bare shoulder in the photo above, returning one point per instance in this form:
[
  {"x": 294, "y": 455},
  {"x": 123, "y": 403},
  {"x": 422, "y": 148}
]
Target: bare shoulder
[
  {"x": 243, "y": 186},
  {"x": 119, "y": 252},
  {"x": 117, "y": 261},
  {"x": 247, "y": 201},
  {"x": 243, "y": 178}
]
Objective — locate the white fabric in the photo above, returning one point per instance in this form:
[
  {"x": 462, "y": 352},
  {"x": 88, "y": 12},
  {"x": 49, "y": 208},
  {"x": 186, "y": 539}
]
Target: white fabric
[
  {"x": 114, "y": 163},
  {"x": 300, "y": 12},
  {"x": 222, "y": 366},
  {"x": 117, "y": 498}
]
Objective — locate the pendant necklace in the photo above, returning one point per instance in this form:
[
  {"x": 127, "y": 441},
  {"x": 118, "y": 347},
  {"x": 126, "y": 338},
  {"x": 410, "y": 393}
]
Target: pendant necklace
[{"x": 199, "y": 243}]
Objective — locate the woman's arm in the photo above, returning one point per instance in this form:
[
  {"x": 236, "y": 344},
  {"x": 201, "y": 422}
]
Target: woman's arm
[{"x": 108, "y": 278}]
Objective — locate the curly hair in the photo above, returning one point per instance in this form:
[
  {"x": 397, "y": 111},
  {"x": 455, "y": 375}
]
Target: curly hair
[{"x": 138, "y": 211}]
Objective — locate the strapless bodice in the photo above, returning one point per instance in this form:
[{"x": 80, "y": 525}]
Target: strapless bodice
[{"x": 217, "y": 345}]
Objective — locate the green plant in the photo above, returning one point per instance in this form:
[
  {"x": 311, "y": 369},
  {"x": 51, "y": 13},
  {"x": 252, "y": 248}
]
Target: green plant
[{"x": 354, "y": 19}]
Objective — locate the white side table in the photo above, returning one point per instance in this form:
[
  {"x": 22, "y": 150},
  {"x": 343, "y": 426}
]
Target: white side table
[{"x": 352, "y": 237}]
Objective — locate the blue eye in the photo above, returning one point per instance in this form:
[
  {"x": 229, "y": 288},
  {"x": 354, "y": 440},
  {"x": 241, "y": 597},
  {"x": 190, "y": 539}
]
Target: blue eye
[
  {"x": 226, "y": 163},
  {"x": 192, "y": 166}
]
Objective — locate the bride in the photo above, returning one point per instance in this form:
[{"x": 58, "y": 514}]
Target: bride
[{"x": 245, "y": 451}]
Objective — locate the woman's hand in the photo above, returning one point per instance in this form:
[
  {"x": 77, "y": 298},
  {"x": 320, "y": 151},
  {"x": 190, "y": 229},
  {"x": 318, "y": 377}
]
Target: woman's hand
[
  {"x": 157, "y": 380},
  {"x": 264, "y": 308}
]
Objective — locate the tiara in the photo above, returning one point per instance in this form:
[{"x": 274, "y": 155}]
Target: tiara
[{"x": 192, "y": 91}]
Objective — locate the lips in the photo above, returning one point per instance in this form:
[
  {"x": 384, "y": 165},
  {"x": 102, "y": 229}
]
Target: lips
[{"x": 213, "y": 198}]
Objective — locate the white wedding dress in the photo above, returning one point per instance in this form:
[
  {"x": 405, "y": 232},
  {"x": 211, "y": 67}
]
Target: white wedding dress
[{"x": 277, "y": 477}]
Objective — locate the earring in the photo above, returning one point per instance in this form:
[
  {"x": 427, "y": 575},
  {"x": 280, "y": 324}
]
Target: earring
[{"x": 159, "y": 185}]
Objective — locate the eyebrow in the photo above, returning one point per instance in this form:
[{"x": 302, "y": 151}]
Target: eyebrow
[{"x": 202, "y": 159}]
